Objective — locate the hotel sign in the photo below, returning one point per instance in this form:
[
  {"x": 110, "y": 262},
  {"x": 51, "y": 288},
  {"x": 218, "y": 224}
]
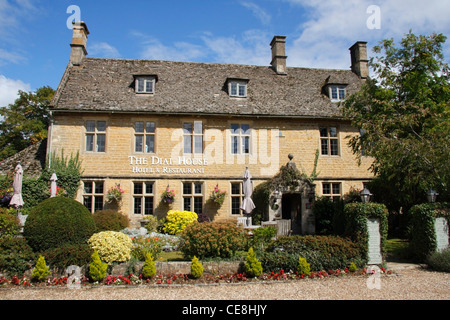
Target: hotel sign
[{"x": 157, "y": 165}]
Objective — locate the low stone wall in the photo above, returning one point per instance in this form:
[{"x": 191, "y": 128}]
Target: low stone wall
[{"x": 184, "y": 267}]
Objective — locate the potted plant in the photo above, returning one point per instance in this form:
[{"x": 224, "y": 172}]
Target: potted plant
[
  {"x": 114, "y": 194},
  {"x": 218, "y": 196},
  {"x": 168, "y": 196}
]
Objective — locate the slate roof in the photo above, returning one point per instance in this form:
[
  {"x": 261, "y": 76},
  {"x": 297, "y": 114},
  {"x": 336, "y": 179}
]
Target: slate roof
[
  {"x": 32, "y": 159},
  {"x": 107, "y": 85}
]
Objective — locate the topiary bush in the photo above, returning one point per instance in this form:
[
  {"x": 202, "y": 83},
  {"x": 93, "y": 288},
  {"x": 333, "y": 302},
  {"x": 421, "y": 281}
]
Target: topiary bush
[
  {"x": 68, "y": 255},
  {"x": 41, "y": 271},
  {"x": 149, "y": 269},
  {"x": 176, "y": 221},
  {"x": 252, "y": 266},
  {"x": 211, "y": 239},
  {"x": 57, "y": 222},
  {"x": 110, "y": 220},
  {"x": 196, "y": 268},
  {"x": 111, "y": 246},
  {"x": 97, "y": 268},
  {"x": 303, "y": 266}
]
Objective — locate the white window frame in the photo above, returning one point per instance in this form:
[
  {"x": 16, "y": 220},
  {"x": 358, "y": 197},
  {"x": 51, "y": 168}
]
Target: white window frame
[
  {"x": 240, "y": 136},
  {"x": 145, "y": 134},
  {"x": 95, "y": 134},
  {"x": 340, "y": 93},
  {"x": 192, "y": 137},
  {"x": 147, "y": 81},
  {"x": 143, "y": 196},
  {"x": 237, "y": 85}
]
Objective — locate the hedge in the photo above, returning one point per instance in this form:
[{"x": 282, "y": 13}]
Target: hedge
[{"x": 422, "y": 234}]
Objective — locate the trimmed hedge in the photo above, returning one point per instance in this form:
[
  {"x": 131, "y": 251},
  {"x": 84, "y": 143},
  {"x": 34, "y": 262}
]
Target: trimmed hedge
[
  {"x": 322, "y": 252},
  {"x": 422, "y": 234},
  {"x": 56, "y": 222},
  {"x": 110, "y": 220}
]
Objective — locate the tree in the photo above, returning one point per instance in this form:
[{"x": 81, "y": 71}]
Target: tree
[
  {"x": 25, "y": 121},
  {"x": 403, "y": 115}
]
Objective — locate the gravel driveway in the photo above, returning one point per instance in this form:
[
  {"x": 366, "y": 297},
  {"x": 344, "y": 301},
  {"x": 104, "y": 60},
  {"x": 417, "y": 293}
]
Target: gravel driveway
[{"x": 404, "y": 284}]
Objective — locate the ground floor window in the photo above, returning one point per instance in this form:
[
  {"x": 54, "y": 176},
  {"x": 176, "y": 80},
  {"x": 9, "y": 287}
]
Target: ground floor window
[
  {"x": 193, "y": 197},
  {"x": 143, "y": 197},
  {"x": 93, "y": 195},
  {"x": 331, "y": 190},
  {"x": 237, "y": 196}
]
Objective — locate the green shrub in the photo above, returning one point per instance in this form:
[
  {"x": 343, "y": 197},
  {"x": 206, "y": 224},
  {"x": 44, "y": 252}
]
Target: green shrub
[
  {"x": 16, "y": 256},
  {"x": 439, "y": 261},
  {"x": 422, "y": 234},
  {"x": 176, "y": 221},
  {"x": 141, "y": 246},
  {"x": 261, "y": 238},
  {"x": 352, "y": 267},
  {"x": 57, "y": 222},
  {"x": 322, "y": 252},
  {"x": 303, "y": 266},
  {"x": 97, "y": 268},
  {"x": 211, "y": 239},
  {"x": 252, "y": 266},
  {"x": 326, "y": 211},
  {"x": 41, "y": 271},
  {"x": 149, "y": 269},
  {"x": 111, "y": 246},
  {"x": 68, "y": 255},
  {"x": 9, "y": 226},
  {"x": 196, "y": 268},
  {"x": 110, "y": 220},
  {"x": 151, "y": 223}
]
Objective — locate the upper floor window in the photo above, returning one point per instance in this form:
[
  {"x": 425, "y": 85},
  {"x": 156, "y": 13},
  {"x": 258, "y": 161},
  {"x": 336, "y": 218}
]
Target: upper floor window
[
  {"x": 95, "y": 136},
  {"x": 337, "y": 93},
  {"x": 237, "y": 88},
  {"x": 145, "y": 84},
  {"x": 193, "y": 137},
  {"x": 329, "y": 141},
  {"x": 144, "y": 137},
  {"x": 240, "y": 139}
]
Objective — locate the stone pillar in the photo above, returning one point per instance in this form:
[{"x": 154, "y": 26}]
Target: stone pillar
[
  {"x": 374, "y": 241},
  {"x": 442, "y": 234}
]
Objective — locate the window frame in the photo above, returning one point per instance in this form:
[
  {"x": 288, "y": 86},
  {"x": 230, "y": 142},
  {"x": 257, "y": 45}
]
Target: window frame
[
  {"x": 145, "y": 134},
  {"x": 240, "y": 196},
  {"x": 146, "y": 80},
  {"x": 238, "y": 148},
  {"x": 328, "y": 141},
  {"x": 93, "y": 195},
  {"x": 143, "y": 198},
  {"x": 193, "y": 195},
  {"x": 334, "y": 196},
  {"x": 95, "y": 134},
  {"x": 192, "y": 135},
  {"x": 238, "y": 84},
  {"x": 341, "y": 92}
]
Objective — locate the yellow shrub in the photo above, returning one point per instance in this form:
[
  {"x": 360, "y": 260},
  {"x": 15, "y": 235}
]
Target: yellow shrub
[
  {"x": 111, "y": 246},
  {"x": 176, "y": 221}
]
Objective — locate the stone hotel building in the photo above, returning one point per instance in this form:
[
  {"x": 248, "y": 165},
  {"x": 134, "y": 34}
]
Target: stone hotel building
[{"x": 190, "y": 127}]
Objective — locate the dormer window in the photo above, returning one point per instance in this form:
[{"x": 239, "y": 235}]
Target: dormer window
[
  {"x": 145, "y": 84},
  {"x": 237, "y": 88},
  {"x": 337, "y": 93}
]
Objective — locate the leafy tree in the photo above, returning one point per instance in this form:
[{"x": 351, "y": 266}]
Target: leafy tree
[
  {"x": 25, "y": 121},
  {"x": 403, "y": 115}
]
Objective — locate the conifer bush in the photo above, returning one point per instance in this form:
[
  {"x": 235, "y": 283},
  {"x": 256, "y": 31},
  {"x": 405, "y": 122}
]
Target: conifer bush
[
  {"x": 252, "y": 266},
  {"x": 196, "y": 268},
  {"x": 303, "y": 266},
  {"x": 149, "y": 269},
  {"x": 41, "y": 270},
  {"x": 97, "y": 268}
]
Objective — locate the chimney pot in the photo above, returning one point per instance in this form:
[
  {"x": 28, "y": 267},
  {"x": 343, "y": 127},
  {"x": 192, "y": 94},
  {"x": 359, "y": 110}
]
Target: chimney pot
[
  {"x": 360, "y": 64},
  {"x": 279, "y": 54},
  {"x": 79, "y": 41}
]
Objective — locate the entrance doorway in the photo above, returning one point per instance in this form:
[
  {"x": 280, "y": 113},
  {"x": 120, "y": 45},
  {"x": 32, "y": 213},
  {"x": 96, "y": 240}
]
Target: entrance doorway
[{"x": 291, "y": 205}]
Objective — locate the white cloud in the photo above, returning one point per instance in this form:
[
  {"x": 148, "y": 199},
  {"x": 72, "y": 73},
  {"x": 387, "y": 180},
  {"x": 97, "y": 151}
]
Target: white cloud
[
  {"x": 258, "y": 12},
  {"x": 9, "y": 90},
  {"x": 103, "y": 50},
  {"x": 179, "y": 51}
]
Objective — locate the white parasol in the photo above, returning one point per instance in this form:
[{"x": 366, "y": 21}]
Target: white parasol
[
  {"x": 16, "y": 200},
  {"x": 247, "y": 205},
  {"x": 53, "y": 186}
]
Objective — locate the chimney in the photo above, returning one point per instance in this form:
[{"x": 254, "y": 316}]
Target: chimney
[
  {"x": 78, "y": 45},
  {"x": 279, "y": 54},
  {"x": 360, "y": 64}
]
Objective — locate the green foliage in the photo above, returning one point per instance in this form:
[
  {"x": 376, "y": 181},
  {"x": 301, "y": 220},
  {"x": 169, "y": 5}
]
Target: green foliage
[
  {"x": 355, "y": 223},
  {"x": 322, "y": 252},
  {"x": 422, "y": 233},
  {"x": 151, "y": 223},
  {"x": 111, "y": 246},
  {"x": 9, "y": 226},
  {"x": 110, "y": 220},
  {"x": 68, "y": 255},
  {"x": 177, "y": 220},
  {"x": 149, "y": 269},
  {"x": 25, "y": 122},
  {"x": 97, "y": 268},
  {"x": 211, "y": 239},
  {"x": 439, "y": 261},
  {"x": 57, "y": 222},
  {"x": 303, "y": 266},
  {"x": 403, "y": 112},
  {"x": 262, "y": 237},
  {"x": 41, "y": 271},
  {"x": 143, "y": 245},
  {"x": 196, "y": 268},
  {"x": 352, "y": 267},
  {"x": 16, "y": 256},
  {"x": 252, "y": 266}
]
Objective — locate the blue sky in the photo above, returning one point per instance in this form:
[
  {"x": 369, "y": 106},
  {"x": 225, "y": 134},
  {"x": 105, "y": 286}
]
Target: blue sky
[{"x": 34, "y": 38}]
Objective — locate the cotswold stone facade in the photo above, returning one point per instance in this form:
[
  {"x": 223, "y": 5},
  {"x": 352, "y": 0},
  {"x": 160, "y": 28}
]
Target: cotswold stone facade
[{"x": 149, "y": 126}]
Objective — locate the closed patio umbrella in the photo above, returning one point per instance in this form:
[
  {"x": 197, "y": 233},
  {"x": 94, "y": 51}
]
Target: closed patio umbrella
[
  {"x": 247, "y": 205},
  {"x": 16, "y": 200},
  {"x": 53, "y": 186}
]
